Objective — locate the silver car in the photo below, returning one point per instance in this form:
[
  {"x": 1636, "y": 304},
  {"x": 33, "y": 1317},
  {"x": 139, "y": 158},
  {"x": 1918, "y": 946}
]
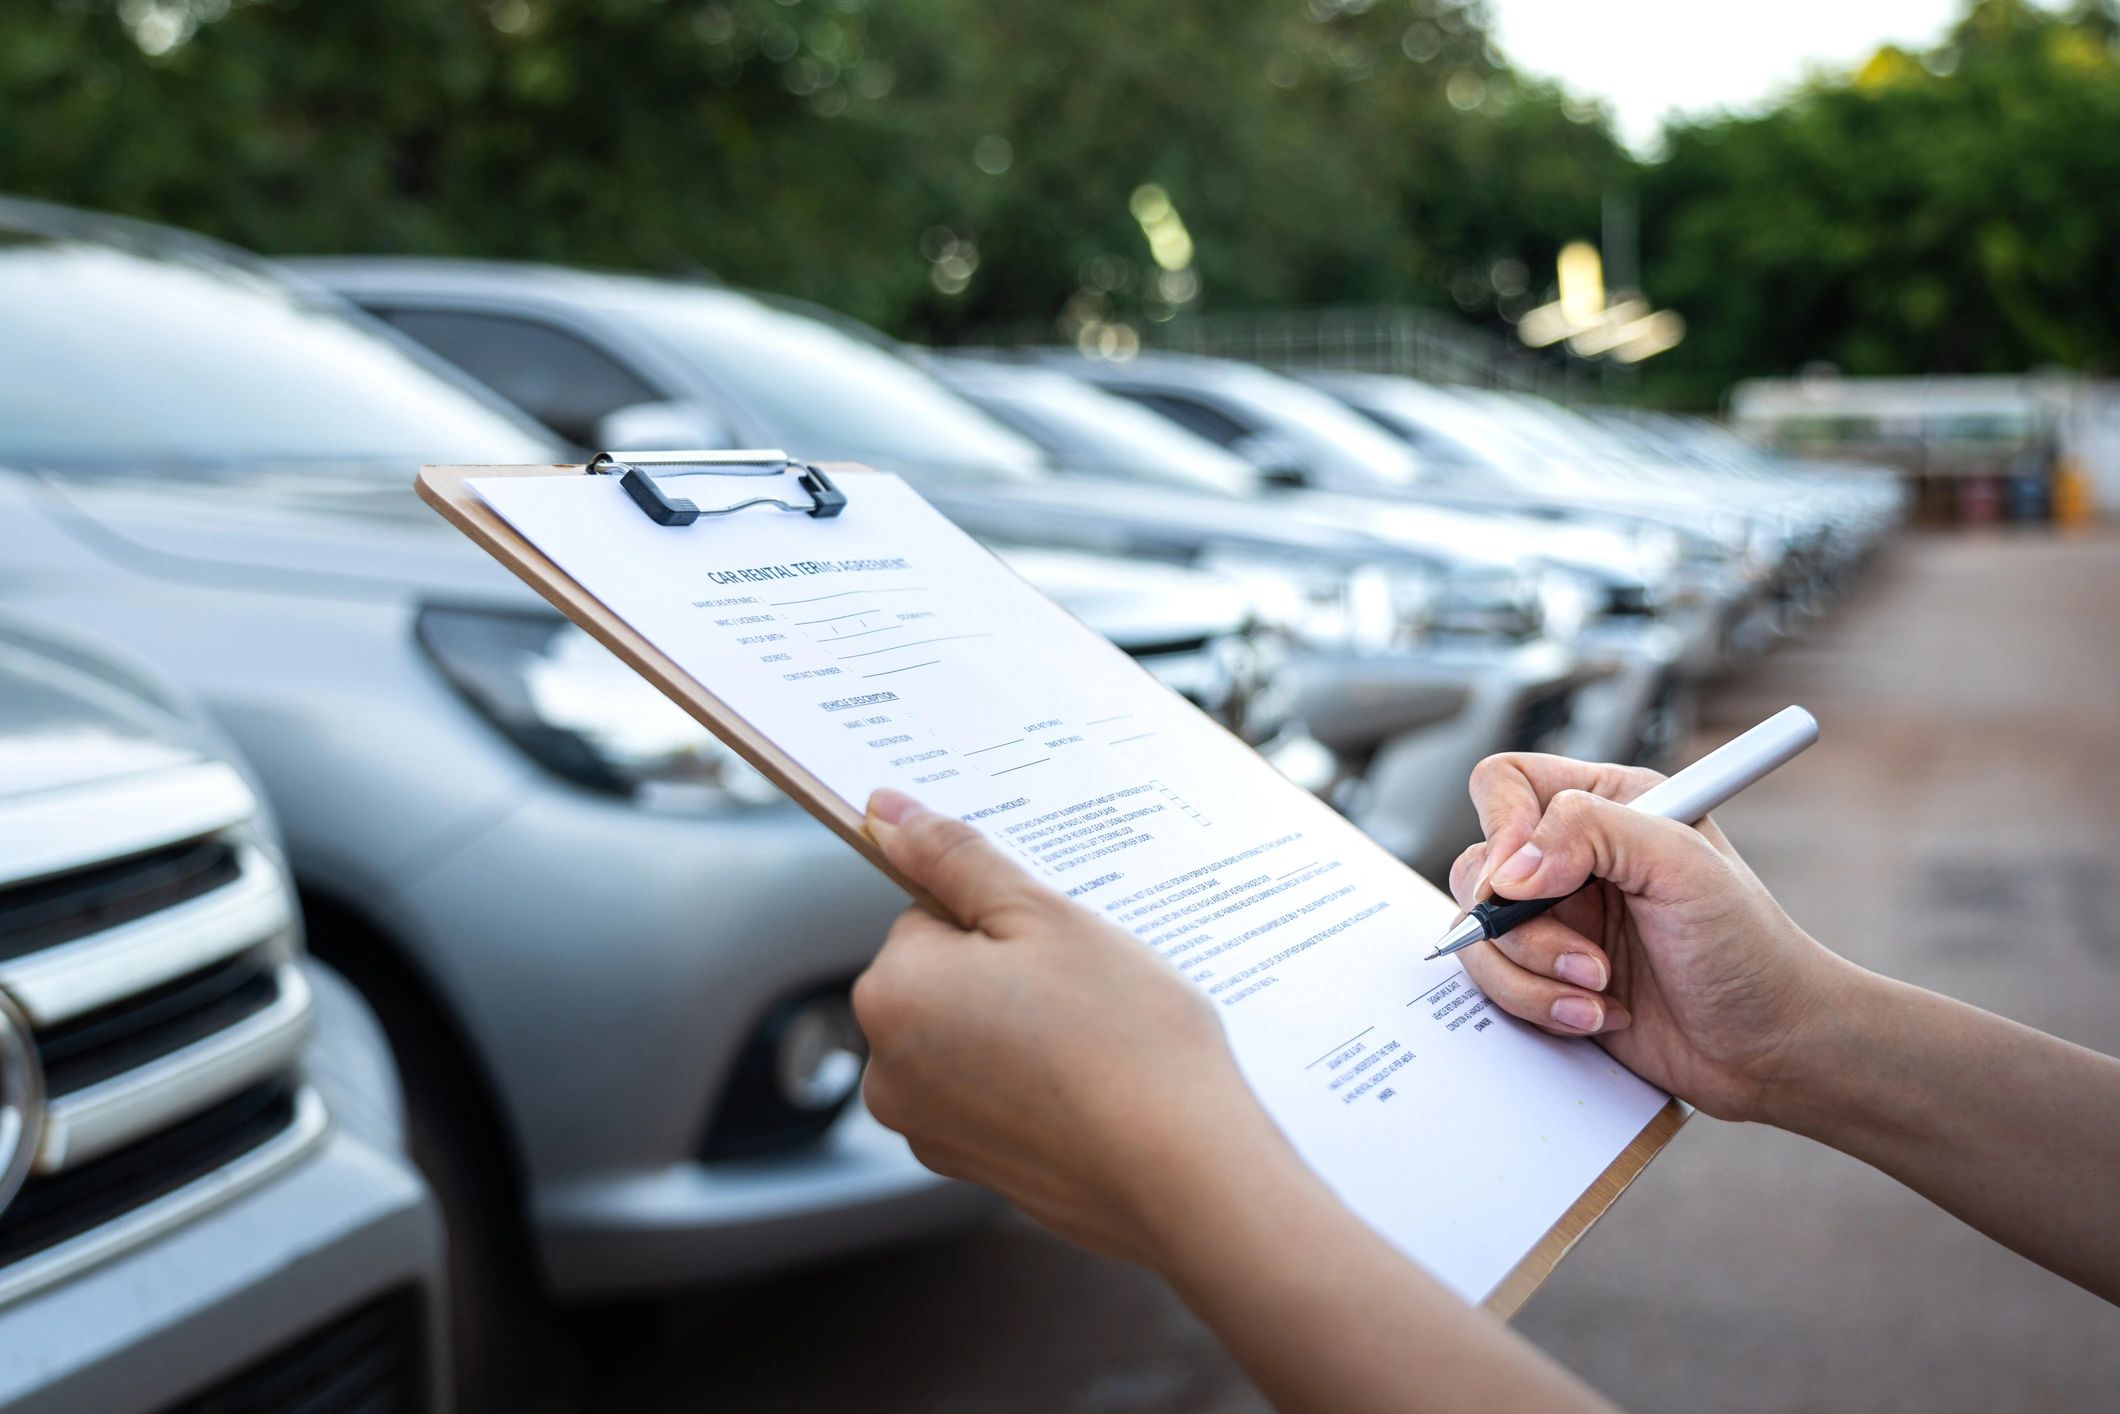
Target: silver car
[
  {"x": 614, "y": 958},
  {"x": 205, "y": 1201},
  {"x": 1605, "y": 592},
  {"x": 619, "y": 361},
  {"x": 1477, "y": 450}
]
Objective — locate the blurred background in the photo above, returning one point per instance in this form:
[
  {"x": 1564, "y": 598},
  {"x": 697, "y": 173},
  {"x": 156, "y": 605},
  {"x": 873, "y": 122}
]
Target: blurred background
[{"x": 1399, "y": 380}]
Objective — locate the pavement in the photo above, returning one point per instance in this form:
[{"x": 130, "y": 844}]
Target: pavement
[{"x": 1958, "y": 825}]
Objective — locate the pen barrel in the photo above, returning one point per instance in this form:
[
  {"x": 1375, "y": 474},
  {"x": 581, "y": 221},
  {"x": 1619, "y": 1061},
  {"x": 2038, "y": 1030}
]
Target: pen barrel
[
  {"x": 1501, "y": 915},
  {"x": 1728, "y": 769}
]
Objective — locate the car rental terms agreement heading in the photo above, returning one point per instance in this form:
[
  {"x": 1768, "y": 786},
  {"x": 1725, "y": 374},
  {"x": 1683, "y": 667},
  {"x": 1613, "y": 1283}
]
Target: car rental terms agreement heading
[{"x": 884, "y": 647}]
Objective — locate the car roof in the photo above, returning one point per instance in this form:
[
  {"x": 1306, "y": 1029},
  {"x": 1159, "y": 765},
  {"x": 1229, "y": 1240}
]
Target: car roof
[
  {"x": 1176, "y": 369},
  {"x": 43, "y": 220},
  {"x": 358, "y": 276},
  {"x": 984, "y": 372}
]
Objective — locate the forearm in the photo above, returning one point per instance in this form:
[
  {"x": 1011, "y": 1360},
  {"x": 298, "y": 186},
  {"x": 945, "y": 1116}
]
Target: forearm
[
  {"x": 2011, "y": 1130},
  {"x": 1322, "y": 1313}
]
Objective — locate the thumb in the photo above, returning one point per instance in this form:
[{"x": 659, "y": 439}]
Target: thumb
[
  {"x": 1581, "y": 835},
  {"x": 967, "y": 875}
]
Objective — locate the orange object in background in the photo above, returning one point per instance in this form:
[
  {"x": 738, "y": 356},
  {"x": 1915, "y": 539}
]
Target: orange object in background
[{"x": 2074, "y": 504}]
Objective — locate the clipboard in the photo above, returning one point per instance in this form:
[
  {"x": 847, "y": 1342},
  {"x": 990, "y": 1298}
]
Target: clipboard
[{"x": 446, "y": 489}]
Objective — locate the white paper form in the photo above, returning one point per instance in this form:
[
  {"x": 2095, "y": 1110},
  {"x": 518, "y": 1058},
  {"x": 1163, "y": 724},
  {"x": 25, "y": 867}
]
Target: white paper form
[{"x": 886, "y": 648}]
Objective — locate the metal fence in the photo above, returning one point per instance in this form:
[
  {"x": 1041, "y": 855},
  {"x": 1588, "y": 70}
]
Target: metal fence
[{"x": 1370, "y": 338}]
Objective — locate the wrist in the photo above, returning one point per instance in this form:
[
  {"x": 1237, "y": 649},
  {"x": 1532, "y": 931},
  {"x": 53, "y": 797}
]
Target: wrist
[
  {"x": 1818, "y": 1085},
  {"x": 1202, "y": 1184}
]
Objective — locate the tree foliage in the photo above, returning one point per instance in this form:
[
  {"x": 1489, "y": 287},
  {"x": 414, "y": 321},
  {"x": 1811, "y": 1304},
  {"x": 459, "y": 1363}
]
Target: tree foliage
[
  {"x": 1951, "y": 211},
  {"x": 930, "y": 165},
  {"x": 941, "y": 167}
]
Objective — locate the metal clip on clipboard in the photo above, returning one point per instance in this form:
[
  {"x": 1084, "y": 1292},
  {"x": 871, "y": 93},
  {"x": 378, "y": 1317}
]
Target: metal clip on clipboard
[{"x": 826, "y": 500}]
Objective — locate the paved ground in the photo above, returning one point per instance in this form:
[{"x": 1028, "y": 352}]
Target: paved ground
[{"x": 1959, "y": 825}]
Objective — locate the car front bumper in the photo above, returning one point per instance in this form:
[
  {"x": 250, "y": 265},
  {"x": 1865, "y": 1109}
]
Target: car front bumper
[
  {"x": 1638, "y": 713},
  {"x": 612, "y": 986},
  {"x": 235, "y": 1290},
  {"x": 856, "y": 1188},
  {"x": 1517, "y": 696}
]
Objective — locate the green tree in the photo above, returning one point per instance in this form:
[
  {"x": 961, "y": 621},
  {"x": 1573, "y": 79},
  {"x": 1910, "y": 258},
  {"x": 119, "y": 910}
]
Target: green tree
[
  {"x": 1951, "y": 211},
  {"x": 930, "y": 165}
]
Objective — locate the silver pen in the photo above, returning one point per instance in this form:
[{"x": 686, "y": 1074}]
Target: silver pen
[{"x": 1686, "y": 797}]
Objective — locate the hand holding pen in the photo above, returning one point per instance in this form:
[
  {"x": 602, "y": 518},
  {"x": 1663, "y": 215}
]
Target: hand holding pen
[{"x": 1675, "y": 956}]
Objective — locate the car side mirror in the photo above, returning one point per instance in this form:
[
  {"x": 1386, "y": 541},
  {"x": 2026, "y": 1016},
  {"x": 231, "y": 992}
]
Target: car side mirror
[{"x": 661, "y": 427}]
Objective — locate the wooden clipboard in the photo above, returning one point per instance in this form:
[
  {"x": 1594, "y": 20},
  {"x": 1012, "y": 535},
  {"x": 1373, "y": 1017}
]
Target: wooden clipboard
[{"x": 445, "y": 489}]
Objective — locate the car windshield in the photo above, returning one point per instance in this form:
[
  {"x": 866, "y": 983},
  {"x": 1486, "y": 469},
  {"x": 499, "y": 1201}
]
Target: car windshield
[
  {"x": 1089, "y": 430},
  {"x": 1550, "y": 457},
  {"x": 1445, "y": 428},
  {"x": 825, "y": 395},
  {"x": 1366, "y": 457},
  {"x": 126, "y": 357}
]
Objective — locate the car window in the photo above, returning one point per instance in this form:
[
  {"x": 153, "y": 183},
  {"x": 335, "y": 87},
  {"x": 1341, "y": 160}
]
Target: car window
[
  {"x": 565, "y": 382},
  {"x": 1089, "y": 430},
  {"x": 1343, "y": 450},
  {"x": 1435, "y": 445},
  {"x": 1196, "y": 417},
  {"x": 825, "y": 395},
  {"x": 130, "y": 357}
]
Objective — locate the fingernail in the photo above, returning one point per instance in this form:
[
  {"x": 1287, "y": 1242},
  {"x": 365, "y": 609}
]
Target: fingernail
[
  {"x": 1521, "y": 865},
  {"x": 892, "y": 806},
  {"x": 1484, "y": 889},
  {"x": 1581, "y": 969},
  {"x": 1578, "y": 1014}
]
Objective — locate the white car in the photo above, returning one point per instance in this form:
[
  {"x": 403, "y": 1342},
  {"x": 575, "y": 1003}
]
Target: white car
[{"x": 205, "y": 1199}]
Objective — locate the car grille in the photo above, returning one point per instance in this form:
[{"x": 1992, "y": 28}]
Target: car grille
[
  {"x": 1540, "y": 719},
  {"x": 1167, "y": 649},
  {"x": 138, "y": 1029},
  {"x": 1629, "y": 600},
  {"x": 85, "y": 901},
  {"x": 53, "y": 1209},
  {"x": 152, "y": 956},
  {"x": 1220, "y": 676},
  {"x": 368, "y": 1362}
]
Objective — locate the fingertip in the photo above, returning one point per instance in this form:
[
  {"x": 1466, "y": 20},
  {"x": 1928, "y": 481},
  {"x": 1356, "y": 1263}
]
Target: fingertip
[
  {"x": 1580, "y": 1014},
  {"x": 889, "y": 812},
  {"x": 1519, "y": 867},
  {"x": 1468, "y": 875},
  {"x": 1583, "y": 969},
  {"x": 892, "y": 807}
]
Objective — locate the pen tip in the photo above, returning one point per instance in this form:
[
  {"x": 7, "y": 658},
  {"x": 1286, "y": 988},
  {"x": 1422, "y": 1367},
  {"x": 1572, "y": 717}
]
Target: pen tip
[{"x": 1462, "y": 934}]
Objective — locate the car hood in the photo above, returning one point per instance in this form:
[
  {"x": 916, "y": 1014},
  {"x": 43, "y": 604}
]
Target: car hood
[
  {"x": 70, "y": 717},
  {"x": 1137, "y": 604},
  {"x": 1609, "y": 556},
  {"x": 1128, "y": 518},
  {"x": 369, "y": 536}
]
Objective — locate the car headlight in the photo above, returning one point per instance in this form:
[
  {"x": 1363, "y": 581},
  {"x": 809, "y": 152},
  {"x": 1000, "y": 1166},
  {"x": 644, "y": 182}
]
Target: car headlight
[
  {"x": 1489, "y": 600},
  {"x": 1567, "y": 602},
  {"x": 1765, "y": 546},
  {"x": 1370, "y": 608},
  {"x": 1658, "y": 552},
  {"x": 574, "y": 708}
]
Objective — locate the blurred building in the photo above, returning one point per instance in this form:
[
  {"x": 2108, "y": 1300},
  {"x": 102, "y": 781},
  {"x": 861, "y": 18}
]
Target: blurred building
[{"x": 1978, "y": 449}]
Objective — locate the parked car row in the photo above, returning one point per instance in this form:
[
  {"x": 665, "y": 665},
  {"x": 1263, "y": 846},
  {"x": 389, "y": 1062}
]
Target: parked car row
[{"x": 611, "y": 960}]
